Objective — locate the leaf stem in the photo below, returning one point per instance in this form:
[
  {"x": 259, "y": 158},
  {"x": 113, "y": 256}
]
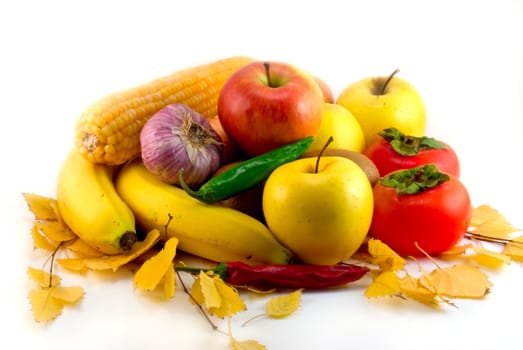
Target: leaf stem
[
  {"x": 481, "y": 237},
  {"x": 202, "y": 311}
]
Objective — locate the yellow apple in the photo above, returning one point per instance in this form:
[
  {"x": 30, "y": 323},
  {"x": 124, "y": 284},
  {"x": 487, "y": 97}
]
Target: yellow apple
[
  {"x": 322, "y": 216},
  {"x": 338, "y": 122},
  {"x": 384, "y": 102}
]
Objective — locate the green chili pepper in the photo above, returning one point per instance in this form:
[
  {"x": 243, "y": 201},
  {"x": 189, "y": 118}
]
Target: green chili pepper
[{"x": 246, "y": 174}]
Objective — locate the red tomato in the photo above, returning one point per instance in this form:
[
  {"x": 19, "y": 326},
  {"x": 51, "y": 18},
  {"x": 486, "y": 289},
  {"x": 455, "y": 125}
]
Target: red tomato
[
  {"x": 436, "y": 218},
  {"x": 385, "y": 153}
]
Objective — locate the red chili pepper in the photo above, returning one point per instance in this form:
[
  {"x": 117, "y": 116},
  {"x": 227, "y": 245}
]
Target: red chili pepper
[{"x": 286, "y": 276}]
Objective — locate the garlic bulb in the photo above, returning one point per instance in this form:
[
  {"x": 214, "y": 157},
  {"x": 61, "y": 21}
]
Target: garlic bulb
[{"x": 178, "y": 137}]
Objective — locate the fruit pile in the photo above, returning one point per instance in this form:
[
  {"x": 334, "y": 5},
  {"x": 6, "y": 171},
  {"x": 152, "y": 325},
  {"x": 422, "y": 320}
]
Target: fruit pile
[{"x": 257, "y": 167}]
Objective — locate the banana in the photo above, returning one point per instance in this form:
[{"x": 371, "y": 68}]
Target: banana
[
  {"x": 91, "y": 207},
  {"x": 210, "y": 231}
]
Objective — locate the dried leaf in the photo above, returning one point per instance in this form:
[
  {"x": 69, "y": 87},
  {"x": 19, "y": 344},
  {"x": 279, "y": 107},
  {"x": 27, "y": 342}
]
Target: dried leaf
[
  {"x": 55, "y": 230},
  {"x": 43, "y": 208},
  {"x": 489, "y": 258},
  {"x": 246, "y": 345},
  {"x": 458, "y": 281},
  {"x": 41, "y": 241},
  {"x": 44, "y": 306},
  {"x": 456, "y": 251},
  {"x": 113, "y": 262},
  {"x": 70, "y": 295},
  {"x": 413, "y": 289},
  {"x": 231, "y": 300},
  {"x": 219, "y": 298},
  {"x": 75, "y": 265},
  {"x": 169, "y": 283},
  {"x": 48, "y": 300},
  {"x": 283, "y": 305},
  {"x": 487, "y": 221},
  {"x": 242, "y": 345},
  {"x": 152, "y": 270},
  {"x": 43, "y": 278},
  {"x": 386, "y": 283},
  {"x": 83, "y": 250},
  {"x": 514, "y": 249},
  {"x": 384, "y": 256},
  {"x": 209, "y": 291}
]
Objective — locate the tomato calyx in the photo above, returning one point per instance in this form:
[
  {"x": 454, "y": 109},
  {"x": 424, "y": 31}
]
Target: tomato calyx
[
  {"x": 407, "y": 145},
  {"x": 415, "y": 180}
]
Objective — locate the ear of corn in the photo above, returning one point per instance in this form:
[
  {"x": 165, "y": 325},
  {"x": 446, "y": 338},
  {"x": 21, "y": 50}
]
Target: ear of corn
[{"x": 108, "y": 132}]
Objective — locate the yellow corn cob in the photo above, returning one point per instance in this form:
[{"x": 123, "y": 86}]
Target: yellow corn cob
[{"x": 108, "y": 132}]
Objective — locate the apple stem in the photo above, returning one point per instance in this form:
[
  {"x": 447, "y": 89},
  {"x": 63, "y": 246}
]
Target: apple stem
[
  {"x": 386, "y": 82},
  {"x": 329, "y": 140},
  {"x": 267, "y": 72}
]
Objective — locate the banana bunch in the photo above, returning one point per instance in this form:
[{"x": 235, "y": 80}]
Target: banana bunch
[
  {"x": 210, "y": 231},
  {"x": 104, "y": 209},
  {"x": 89, "y": 205}
]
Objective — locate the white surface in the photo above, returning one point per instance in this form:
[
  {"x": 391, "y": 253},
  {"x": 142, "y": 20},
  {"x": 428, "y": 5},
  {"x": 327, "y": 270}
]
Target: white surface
[{"x": 57, "y": 57}]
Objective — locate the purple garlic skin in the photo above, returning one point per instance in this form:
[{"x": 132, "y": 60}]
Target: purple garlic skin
[{"x": 177, "y": 137}]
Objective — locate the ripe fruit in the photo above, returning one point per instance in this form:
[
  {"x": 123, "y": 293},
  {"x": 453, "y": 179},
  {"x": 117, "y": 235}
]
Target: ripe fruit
[
  {"x": 265, "y": 105},
  {"x": 328, "y": 95},
  {"x": 322, "y": 215},
  {"x": 337, "y": 122},
  {"x": 420, "y": 207},
  {"x": 384, "y": 102},
  {"x": 91, "y": 207},
  {"x": 212, "y": 232},
  {"x": 395, "y": 151}
]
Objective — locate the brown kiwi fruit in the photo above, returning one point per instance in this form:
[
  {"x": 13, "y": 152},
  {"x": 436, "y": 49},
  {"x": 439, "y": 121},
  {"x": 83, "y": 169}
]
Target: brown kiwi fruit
[{"x": 362, "y": 160}]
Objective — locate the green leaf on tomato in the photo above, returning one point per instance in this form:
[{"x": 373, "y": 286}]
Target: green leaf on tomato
[
  {"x": 415, "y": 180},
  {"x": 407, "y": 145}
]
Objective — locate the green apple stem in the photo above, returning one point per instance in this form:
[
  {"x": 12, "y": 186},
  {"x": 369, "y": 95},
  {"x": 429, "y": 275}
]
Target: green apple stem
[
  {"x": 268, "y": 73},
  {"x": 329, "y": 140},
  {"x": 383, "y": 87}
]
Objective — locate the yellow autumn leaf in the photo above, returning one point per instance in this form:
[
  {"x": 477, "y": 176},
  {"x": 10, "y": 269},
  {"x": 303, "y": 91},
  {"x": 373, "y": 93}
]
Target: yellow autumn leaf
[
  {"x": 169, "y": 283},
  {"x": 487, "y": 221},
  {"x": 412, "y": 288},
  {"x": 205, "y": 292},
  {"x": 219, "y": 298},
  {"x": 458, "y": 281},
  {"x": 456, "y": 251},
  {"x": 514, "y": 249},
  {"x": 485, "y": 213},
  {"x": 231, "y": 300},
  {"x": 69, "y": 295},
  {"x": 44, "y": 306},
  {"x": 242, "y": 345},
  {"x": 43, "y": 278},
  {"x": 386, "y": 283},
  {"x": 113, "y": 262},
  {"x": 246, "y": 345},
  {"x": 55, "y": 230},
  {"x": 489, "y": 258},
  {"x": 47, "y": 303},
  {"x": 152, "y": 270},
  {"x": 384, "y": 256},
  {"x": 75, "y": 265},
  {"x": 83, "y": 250},
  {"x": 283, "y": 305},
  {"x": 41, "y": 241},
  {"x": 43, "y": 208}
]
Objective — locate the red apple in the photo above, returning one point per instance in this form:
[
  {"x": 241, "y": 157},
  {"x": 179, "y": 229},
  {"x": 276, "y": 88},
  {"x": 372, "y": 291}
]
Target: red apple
[
  {"x": 328, "y": 95},
  {"x": 265, "y": 105}
]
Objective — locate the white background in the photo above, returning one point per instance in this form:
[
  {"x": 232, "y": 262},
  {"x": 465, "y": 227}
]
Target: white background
[{"x": 465, "y": 58}]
